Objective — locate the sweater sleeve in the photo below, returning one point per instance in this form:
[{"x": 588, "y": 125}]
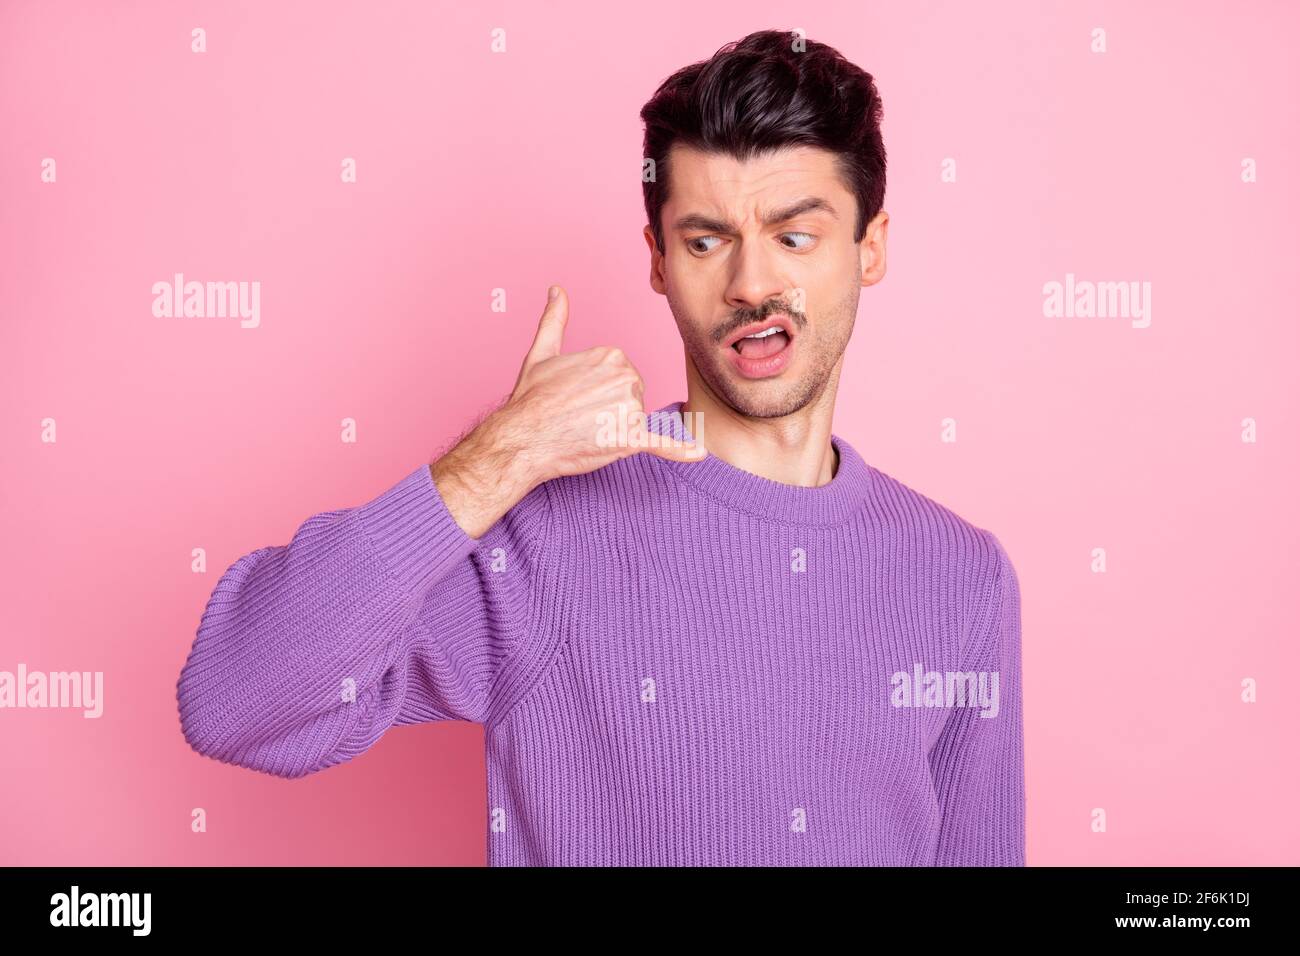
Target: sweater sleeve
[
  {"x": 978, "y": 761},
  {"x": 386, "y": 613}
]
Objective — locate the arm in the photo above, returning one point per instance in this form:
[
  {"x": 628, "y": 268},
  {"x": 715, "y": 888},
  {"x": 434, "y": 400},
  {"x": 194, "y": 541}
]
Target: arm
[
  {"x": 394, "y": 611},
  {"x": 978, "y": 762}
]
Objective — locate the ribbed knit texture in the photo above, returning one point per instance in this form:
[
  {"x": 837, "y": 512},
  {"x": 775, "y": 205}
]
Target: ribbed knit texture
[{"x": 675, "y": 664}]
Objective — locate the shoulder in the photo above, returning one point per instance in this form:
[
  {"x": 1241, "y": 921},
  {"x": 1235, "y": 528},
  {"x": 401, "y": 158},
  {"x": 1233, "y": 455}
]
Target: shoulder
[
  {"x": 970, "y": 556},
  {"x": 963, "y": 563},
  {"x": 609, "y": 488}
]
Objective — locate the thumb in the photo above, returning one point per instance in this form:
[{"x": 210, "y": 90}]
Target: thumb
[{"x": 550, "y": 328}]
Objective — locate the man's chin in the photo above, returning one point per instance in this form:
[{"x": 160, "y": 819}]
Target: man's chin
[{"x": 774, "y": 397}]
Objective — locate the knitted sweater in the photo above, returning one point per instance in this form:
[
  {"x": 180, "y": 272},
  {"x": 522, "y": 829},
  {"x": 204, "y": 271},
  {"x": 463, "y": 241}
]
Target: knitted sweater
[{"x": 675, "y": 663}]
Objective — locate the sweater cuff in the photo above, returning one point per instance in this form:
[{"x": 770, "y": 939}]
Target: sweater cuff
[{"x": 413, "y": 531}]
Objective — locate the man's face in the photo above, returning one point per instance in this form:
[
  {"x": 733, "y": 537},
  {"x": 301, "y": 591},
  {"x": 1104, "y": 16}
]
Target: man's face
[{"x": 766, "y": 243}]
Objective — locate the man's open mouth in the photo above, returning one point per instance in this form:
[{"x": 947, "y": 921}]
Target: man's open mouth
[
  {"x": 762, "y": 344},
  {"x": 762, "y": 349}
]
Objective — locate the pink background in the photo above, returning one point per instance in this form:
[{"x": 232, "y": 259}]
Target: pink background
[{"x": 479, "y": 170}]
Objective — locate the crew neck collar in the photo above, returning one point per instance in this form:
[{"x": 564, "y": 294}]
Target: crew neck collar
[{"x": 828, "y": 504}]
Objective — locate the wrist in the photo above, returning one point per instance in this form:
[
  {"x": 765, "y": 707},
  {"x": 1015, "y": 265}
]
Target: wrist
[
  {"x": 483, "y": 476},
  {"x": 505, "y": 443}
]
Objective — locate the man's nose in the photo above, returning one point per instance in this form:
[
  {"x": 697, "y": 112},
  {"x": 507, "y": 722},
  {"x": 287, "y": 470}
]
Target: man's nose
[{"x": 754, "y": 278}]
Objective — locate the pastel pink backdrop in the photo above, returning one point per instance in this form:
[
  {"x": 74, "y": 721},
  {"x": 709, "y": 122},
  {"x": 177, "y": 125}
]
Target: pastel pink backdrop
[{"x": 479, "y": 170}]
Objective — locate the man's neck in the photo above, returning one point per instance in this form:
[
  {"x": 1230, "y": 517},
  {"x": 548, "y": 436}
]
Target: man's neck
[{"x": 795, "y": 449}]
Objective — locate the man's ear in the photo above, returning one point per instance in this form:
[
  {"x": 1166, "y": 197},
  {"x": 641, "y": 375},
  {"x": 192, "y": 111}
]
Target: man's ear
[
  {"x": 871, "y": 250},
  {"x": 656, "y": 263}
]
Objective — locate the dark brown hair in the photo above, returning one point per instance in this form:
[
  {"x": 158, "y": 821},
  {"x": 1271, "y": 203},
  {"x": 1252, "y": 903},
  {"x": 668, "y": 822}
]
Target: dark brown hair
[{"x": 762, "y": 93}]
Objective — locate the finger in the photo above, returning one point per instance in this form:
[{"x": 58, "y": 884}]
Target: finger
[
  {"x": 550, "y": 329},
  {"x": 641, "y": 438},
  {"x": 677, "y": 450}
]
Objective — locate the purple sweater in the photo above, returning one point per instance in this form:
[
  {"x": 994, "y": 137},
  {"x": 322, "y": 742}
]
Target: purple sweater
[{"x": 675, "y": 664}]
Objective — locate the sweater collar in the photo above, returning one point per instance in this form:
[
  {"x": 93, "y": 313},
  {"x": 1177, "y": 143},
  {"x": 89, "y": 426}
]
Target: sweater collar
[{"x": 828, "y": 504}]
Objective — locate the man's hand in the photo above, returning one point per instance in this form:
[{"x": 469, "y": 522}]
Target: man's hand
[{"x": 550, "y": 426}]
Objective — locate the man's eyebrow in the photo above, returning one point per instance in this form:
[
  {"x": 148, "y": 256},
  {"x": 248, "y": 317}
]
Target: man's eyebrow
[{"x": 800, "y": 207}]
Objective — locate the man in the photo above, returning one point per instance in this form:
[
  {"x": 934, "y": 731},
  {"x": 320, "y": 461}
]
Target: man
[{"x": 740, "y": 644}]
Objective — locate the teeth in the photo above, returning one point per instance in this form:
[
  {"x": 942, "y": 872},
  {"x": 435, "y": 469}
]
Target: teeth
[{"x": 765, "y": 333}]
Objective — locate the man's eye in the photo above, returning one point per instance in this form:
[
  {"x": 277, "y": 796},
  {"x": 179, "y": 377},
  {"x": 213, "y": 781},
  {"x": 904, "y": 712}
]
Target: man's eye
[
  {"x": 692, "y": 244},
  {"x": 809, "y": 237}
]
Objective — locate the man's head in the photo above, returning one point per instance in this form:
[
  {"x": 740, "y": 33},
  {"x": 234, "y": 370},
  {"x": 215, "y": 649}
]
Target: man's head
[{"x": 763, "y": 203}]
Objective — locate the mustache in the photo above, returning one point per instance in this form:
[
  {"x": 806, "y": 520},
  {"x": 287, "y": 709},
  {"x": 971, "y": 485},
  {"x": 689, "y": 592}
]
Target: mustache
[{"x": 742, "y": 317}]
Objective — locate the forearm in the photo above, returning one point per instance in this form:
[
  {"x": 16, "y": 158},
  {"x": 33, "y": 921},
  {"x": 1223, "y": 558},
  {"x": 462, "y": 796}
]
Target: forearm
[{"x": 486, "y": 474}]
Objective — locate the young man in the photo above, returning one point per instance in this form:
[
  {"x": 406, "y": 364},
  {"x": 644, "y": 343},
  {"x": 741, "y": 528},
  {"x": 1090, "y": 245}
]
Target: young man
[{"x": 769, "y": 652}]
